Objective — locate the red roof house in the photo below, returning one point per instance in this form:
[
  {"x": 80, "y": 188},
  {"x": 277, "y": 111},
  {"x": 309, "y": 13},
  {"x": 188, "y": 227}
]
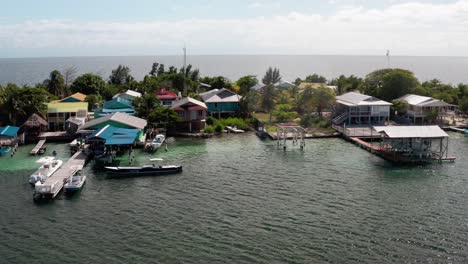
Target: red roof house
[{"x": 166, "y": 97}]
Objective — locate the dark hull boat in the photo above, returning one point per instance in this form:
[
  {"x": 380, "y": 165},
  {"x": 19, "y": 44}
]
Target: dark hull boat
[{"x": 147, "y": 170}]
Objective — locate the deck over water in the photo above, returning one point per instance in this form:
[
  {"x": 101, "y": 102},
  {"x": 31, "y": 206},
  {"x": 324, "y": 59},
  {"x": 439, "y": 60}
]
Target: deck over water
[
  {"x": 76, "y": 162},
  {"x": 39, "y": 145}
]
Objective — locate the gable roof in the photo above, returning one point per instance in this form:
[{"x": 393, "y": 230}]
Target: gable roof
[
  {"x": 419, "y": 100},
  {"x": 165, "y": 94},
  {"x": 122, "y": 118},
  {"x": 115, "y": 136},
  {"x": 257, "y": 87},
  {"x": 35, "y": 120},
  {"x": 411, "y": 131},
  {"x": 130, "y": 93},
  {"x": 283, "y": 84},
  {"x": 188, "y": 102},
  {"x": 9, "y": 131},
  {"x": 76, "y": 97},
  {"x": 118, "y": 103},
  {"x": 357, "y": 99},
  {"x": 220, "y": 96}
]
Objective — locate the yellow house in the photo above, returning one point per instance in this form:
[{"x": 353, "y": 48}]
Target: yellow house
[{"x": 59, "y": 112}]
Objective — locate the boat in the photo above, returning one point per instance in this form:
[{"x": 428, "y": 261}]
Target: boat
[
  {"x": 4, "y": 150},
  {"x": 146, "y": 170},
  {"x": 45, "y": 159},
  {"x": 261, "y": 133},
  {"x": 234, "y": 129},
  {"x": 75, "y": 182},
  {"x": 45, "y": 171},
  {"x": 156, "y": 143}
]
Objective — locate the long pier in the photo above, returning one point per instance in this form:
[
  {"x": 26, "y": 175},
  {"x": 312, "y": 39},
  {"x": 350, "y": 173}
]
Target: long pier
[
  {"x": 38, "y": 147},
  {"x": 54, "y": 184}
]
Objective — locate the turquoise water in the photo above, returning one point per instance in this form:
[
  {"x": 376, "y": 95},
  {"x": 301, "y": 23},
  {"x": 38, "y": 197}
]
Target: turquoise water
[{"x": 242, "y": 200}]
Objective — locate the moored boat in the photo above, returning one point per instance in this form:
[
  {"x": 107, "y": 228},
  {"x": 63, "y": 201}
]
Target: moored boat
[
  {"x": 234, "y": 129},
  {"x": 45, "y": 171},
  {"x": 156, "y": 143},
  {"x": 75, "y": 182},
  {"x": 4, "y": 150},
  {"x": 146, "y": 170}
]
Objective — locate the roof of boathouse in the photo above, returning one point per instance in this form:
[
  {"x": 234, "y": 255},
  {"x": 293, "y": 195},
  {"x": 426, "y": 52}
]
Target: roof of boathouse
[
  {"x": 9, "y": 131},
  {"x": 121, "y": 118},
  {"x": 358, "y": 99},
  {"x": 411, "y": 131},
  {"x": 115, "y": 136}
]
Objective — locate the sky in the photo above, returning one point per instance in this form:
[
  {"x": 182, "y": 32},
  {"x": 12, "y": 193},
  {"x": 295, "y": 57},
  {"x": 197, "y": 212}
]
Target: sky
[{"x": 54, "y": 28}]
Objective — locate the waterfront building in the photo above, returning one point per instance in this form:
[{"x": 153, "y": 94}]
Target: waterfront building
[
  {"x": 193, "y": 114},
  {"x": 119, "y": 120},
  {"x": 116, "y": 105},
  {"x": 221, "y": 102},
  {"x": 413, "y": 143},
  {"x": 113, "y": 136},
  {"x": 166, "y": 97},
  {"x": 34, "y": 126},
  {"x": 420, "y": 107},
  {"x": 59, "y": 112},
  {"x": 8, "y": 135},
  {"x": 129, "y": 95},
  {"x": 354, "y": 108}
]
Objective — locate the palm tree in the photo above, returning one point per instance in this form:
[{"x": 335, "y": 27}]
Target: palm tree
[
  {"x": 55, "y": 84},
  {"x": 145, "y": 105},
  {"x": 272, "y": 76}
]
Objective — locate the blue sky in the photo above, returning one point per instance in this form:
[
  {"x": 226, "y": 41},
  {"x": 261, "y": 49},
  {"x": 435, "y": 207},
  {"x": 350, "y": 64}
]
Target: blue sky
[{"x": 31, "y": 28}]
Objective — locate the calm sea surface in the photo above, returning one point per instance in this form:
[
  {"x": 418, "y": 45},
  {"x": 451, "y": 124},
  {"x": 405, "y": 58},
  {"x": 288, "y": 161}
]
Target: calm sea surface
[
  {"x": 35, "y": 70},
  {"x": 240, "y": 200}
]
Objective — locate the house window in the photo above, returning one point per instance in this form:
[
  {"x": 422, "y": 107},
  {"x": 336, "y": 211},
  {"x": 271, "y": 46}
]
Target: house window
[
  {"x": 182, "y": 114},
  {"x": 216, "y": 105},
  {"x": 200, "y": 112}
]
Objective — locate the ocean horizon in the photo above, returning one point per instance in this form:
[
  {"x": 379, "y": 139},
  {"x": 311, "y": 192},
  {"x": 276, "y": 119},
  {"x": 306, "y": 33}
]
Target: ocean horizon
[{"x": 34, "y": 70}]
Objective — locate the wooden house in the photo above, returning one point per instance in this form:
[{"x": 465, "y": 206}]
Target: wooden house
[
  {"x": 221, "y": 102},
  {"x": 192, "y": 113},
  {"x": 354, "y": 108}
]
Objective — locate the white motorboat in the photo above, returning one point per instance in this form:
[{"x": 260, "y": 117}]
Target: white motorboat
[
  {"x": 75, "y": 182},
  {"x": 45, "y": 159},
  {"x": 45, "y": 171},
  {"x": 234, "y": 129},
  {"x": 158, "y": 141}
]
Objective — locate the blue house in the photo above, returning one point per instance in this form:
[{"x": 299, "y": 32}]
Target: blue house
[
  {"x": 116, "y": 105},
  {"x": 221, "y": 102}
]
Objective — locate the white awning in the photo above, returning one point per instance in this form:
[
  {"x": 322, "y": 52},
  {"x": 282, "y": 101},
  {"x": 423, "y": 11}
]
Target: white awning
[{"x": 411, "y": 131}]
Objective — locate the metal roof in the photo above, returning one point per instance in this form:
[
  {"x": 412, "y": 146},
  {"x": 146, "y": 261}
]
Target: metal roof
[
  {"x": 418, "y": 100},
  {"x": 118, "y": 103},
  {"x": 188, "y": 101},
  {"x": 77, "y": 96},
  {"x": 122, "y": 118},
  {"x": 411, "y": 131},
  {"x": 9, "y": 131},
  {"x": 357, "y": 99},
  {"x": 115, "y": 136},
  {"x": 130, "y": 93},
  {"x": 220, "y": 96}
]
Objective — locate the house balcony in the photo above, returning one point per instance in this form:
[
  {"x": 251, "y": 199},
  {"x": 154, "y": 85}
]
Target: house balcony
[
  {"x": 426, "y": 113},
  {"x": 367, "y": 113}
]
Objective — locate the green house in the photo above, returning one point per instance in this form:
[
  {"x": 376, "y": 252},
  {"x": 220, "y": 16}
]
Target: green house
[{"x": 221, "y": 102}]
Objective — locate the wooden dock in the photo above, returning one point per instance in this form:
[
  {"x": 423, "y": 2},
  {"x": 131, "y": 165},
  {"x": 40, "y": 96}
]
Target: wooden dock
[
  {"x": 38, "y": 147},
  {"x": 54, "y": 184}
]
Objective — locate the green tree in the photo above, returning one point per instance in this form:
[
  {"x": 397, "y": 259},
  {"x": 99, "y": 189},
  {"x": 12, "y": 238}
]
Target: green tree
[
  {"x": 245, "y": 83},
  {"x": 315, "y": 78},
  {"x": 272, "y": 76},
  {"x": 88, "y": 83},
  {"x": 400, "y": 106},
  {"x": 217, "y": 82},
  {"x": 323, "y": 98},
  {"x": 55, "y": 84},
  {"x": 145, "y": 105},
  {"x": 249, "y": 103},
  {"x": 284, "y": 113},
  {"x": 389, "y": 84},
  {"x": 464, "y": 105},
  {"x": 22, "y": 102},
  {"x": 347, "y": 84},
  {"x": 164, "y": 116},
  {"x": 268, "y": 99},
  {"x": 154, "y": 69},
  {"x": 92, "y": 101},
  {"x": 121, "y": 76}
]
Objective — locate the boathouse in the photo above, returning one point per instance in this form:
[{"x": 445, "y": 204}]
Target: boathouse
[
  {"x": 114, "y": 136},
  {"x": 192, "y": 114},
  {"x": 8, "y": 135},
  {"x": 119, "y": 120},
  {"x": 221, "y": 102},
  {"x": 421, "y": 107},
  {"x": 354, "y": 108},
  {"x": 34, "y": 126},
  {"x": 413, "y": 144},
  {"x": 166, "y": 97}
]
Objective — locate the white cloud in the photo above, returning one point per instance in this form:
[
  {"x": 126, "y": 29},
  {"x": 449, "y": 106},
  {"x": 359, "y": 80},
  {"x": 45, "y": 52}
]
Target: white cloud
[{"x": 406, "y": 28}]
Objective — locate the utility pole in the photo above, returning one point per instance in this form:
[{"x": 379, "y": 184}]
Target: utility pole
[
  {"x": 185, "y": 57},
  {"x": 388, "y": 59}
]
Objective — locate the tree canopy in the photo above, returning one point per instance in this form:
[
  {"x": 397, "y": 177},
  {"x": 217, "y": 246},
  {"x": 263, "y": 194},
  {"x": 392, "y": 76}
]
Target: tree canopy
[
  {"x": 55, "y": 84},
  {"x": 88, "y": 83},
  {"x": 245, "y": 83},
  {"x": 272, "y": 76},
  {"x": 389, "y": 84}
]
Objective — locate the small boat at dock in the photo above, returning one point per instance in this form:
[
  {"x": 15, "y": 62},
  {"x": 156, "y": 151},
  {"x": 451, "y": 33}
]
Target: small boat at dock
[
  {"x": 45, "y": 171},
  {"x": 156, "y": 143},
  {"x": 4, "y": 150},
  {"x": 75, "y": 182},
  {"x": 234, "y": 129},
  {"x": 146, "y": 170}
]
